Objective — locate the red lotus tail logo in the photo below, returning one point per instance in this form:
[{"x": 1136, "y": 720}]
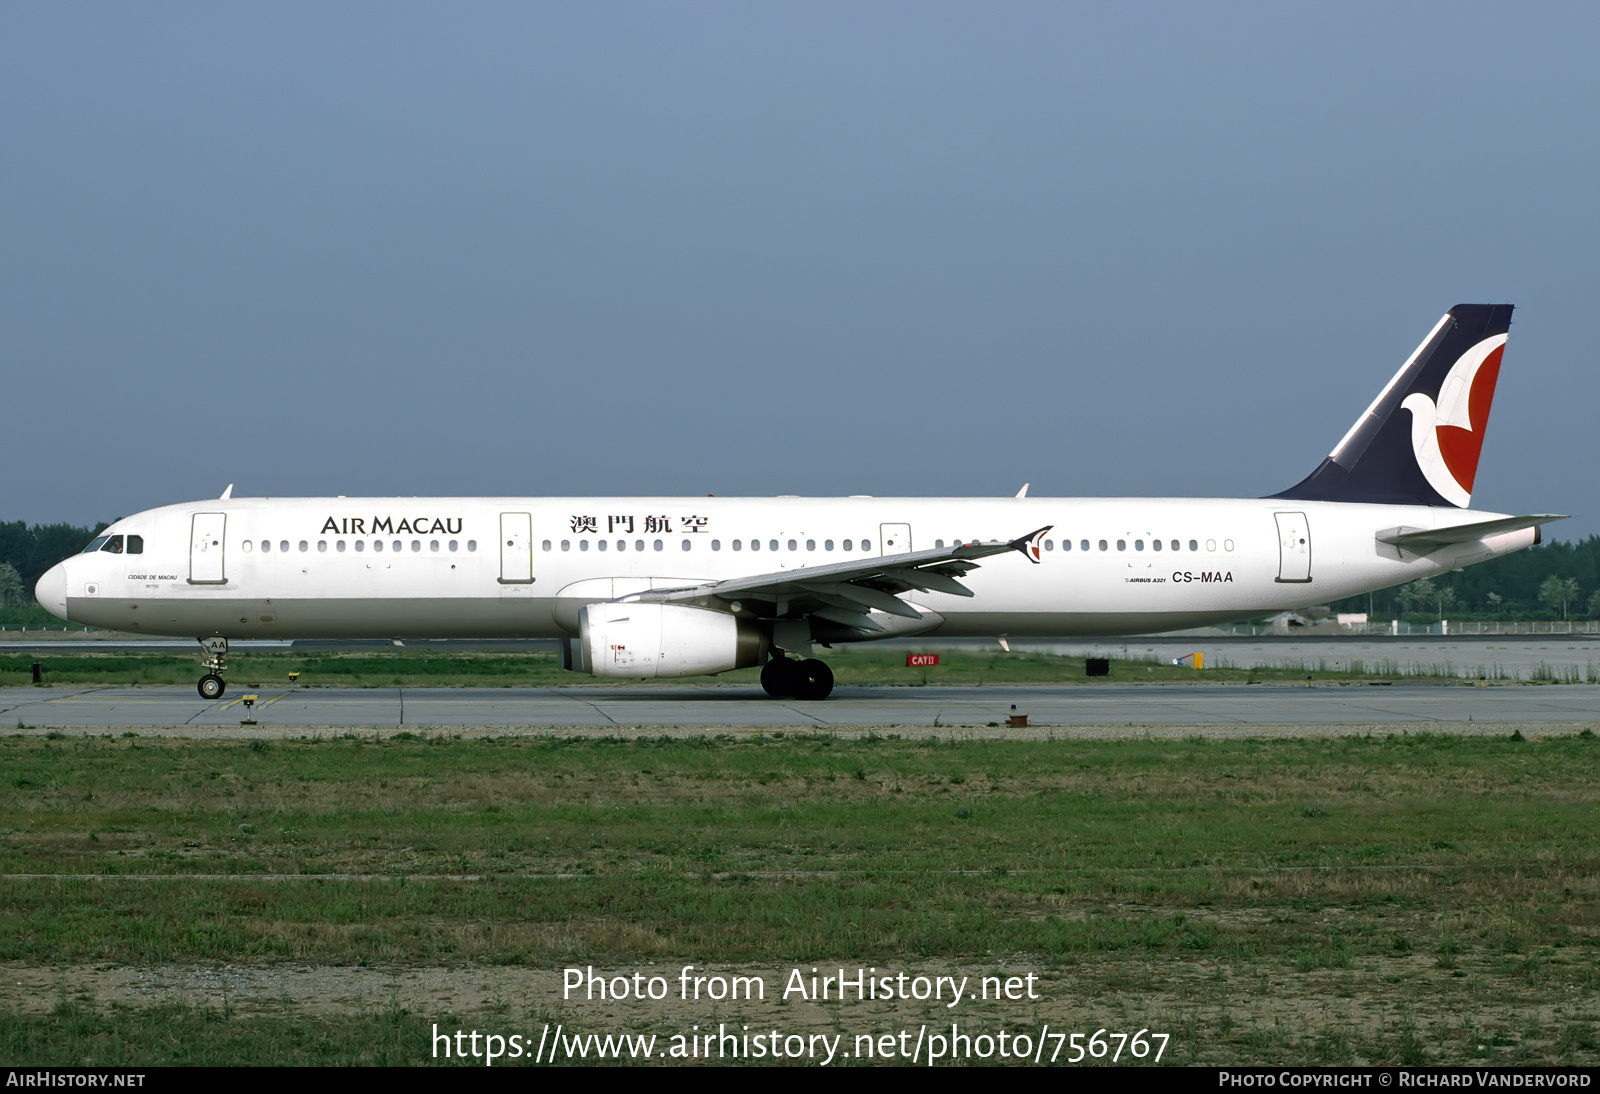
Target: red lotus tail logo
[{"x": 1447, "y": 436}]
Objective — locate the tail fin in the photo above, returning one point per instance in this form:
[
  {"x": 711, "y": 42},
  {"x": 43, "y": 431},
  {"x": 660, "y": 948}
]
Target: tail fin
[{"x": 1429, "y": 455}]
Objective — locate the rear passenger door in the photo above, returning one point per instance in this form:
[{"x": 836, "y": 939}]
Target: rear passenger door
[{"x": 1294, "y": 548}]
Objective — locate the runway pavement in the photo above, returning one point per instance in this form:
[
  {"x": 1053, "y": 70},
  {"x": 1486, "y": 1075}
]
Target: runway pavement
[{"x": 1237, "y": 709}]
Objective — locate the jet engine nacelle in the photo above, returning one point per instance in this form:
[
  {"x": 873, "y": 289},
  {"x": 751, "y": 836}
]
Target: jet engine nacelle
[{"x": 645, "y": 641}]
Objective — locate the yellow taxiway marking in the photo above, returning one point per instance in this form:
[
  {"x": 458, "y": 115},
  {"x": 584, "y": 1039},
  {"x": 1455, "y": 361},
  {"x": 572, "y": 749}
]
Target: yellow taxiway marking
[{"x": 239, "y": 700}]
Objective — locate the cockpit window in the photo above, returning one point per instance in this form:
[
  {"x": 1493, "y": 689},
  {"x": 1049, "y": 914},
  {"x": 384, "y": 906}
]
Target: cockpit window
[
  {"x": 114, "y": 545},
  {"x": 95, "y": 544},
  {"x": 136, "y": 545}
]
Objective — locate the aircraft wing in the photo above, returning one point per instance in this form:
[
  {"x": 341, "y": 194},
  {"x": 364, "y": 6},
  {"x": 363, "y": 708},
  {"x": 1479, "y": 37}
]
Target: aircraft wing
[
  {"x": 1421, "y": 541},
  {"x": 846, "y": 592}
]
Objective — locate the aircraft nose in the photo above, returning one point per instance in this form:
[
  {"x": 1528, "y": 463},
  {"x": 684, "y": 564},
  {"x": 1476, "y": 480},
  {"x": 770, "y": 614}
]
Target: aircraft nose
[{"x": 51, "y": 591}]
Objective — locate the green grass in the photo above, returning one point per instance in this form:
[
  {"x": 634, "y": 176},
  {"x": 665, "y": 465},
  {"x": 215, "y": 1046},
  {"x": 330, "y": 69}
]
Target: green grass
[
  {"x": 175, "y": 1035},
  {"x": 865, "y": 665},
  {"x": 1427, "y": 894}
]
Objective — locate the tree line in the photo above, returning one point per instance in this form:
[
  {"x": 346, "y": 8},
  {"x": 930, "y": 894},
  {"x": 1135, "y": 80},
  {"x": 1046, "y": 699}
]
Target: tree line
[
  {"x": 1559, "y": 580},
  {"x": 28, "y": 550}
]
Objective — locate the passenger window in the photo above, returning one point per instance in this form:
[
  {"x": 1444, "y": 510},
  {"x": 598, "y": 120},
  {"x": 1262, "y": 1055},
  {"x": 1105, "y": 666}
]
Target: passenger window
[
  {"x": 1138, "y": 545},
  {"x": 638, "y": 545},
  {"x": 686, "y": 544},
  {"x": 1049, "y": 545},
  {"x": 716, "y": 545},
  {"x": 1084, "y": 546},
  {"x": 433, "y": 545},
  {"x": 583, "y": 545},
  {"x": 322, "y": 546},
  {"x": 601, "y": 545},
  {"x": 304, "y": 546},
  {"x": 939, "y": 543},
  {"x": 811, "y": 545},
  {"x": 847, "y": 545},
  {"x": 1194, "y": 545},
  {"x": 1066, "y": 545},
  {"x": 1211, "y": 545},
  {"x": 472, "y": 545},
  {"x": 566, "y": 545},
  {"x": 416, "y": 545},
  {"x": 866, "y": 545},
  {"x": 283, "y": 545},
  {"x": 738, "y": 545},
  {"x": 827, "y": 545},
  {"x": 658, "y": 545},
  {"x": 1122, "y": 545},
  {"x": 340, "y": 546},
  {"x": 772, "y": 544},
  {"x": 1227, "y": 545},
  {"x": 791, "y": 545},
  {"x": 1102, "y": 545},
  {"x": 622, "y": 545},
  {"x": 377, "y": 545},
  {"x": 398, "y": 546},
  {"x": 361, "y": 545},
  {"x": 755, "y": 545},
  {"x": 452, "y": 545},
  {"x": 1156, "y": 543},
  {"x": 136, "y": 545}
]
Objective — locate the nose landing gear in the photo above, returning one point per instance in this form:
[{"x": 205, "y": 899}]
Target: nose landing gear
[{"x": 212, "y": 685}]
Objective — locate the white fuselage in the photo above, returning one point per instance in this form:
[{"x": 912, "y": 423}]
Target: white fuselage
[{"x": 523, "y": 567}]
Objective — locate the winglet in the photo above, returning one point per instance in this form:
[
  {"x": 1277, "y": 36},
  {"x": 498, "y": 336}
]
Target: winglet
[
  {"x": 1029, "y": 544},
  {"x": 1024, "y": 491},
  {"x": 228, "y": 493}
]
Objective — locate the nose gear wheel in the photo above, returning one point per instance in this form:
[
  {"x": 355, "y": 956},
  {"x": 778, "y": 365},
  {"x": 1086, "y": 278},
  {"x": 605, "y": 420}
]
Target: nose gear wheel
[{"x": 211, "y": 685}]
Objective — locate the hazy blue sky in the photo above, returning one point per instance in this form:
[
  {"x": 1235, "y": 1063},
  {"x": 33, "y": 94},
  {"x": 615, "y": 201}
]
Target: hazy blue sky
[{"x": 673, "y": 248}]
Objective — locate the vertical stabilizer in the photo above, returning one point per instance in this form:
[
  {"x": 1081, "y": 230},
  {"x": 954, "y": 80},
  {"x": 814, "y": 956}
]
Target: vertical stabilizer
[{"x": 1419, "y": 441}]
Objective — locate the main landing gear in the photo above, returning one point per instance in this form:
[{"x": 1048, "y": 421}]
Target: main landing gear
[
  {"x": 785, "y": 678},
  {"x": 211, "y": 685}
]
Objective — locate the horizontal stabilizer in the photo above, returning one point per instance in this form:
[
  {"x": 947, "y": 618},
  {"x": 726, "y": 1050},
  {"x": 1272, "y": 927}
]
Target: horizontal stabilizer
[{"x": 1420, "y": 541}]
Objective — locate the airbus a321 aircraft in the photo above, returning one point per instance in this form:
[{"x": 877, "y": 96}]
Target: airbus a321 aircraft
[{"x": 664, "y": 587}]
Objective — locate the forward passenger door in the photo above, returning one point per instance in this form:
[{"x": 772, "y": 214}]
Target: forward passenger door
[{"x": 206, "y": 543}]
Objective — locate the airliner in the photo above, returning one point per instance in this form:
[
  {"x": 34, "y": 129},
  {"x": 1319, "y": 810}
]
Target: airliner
[{"x": 648, "y": 588}]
